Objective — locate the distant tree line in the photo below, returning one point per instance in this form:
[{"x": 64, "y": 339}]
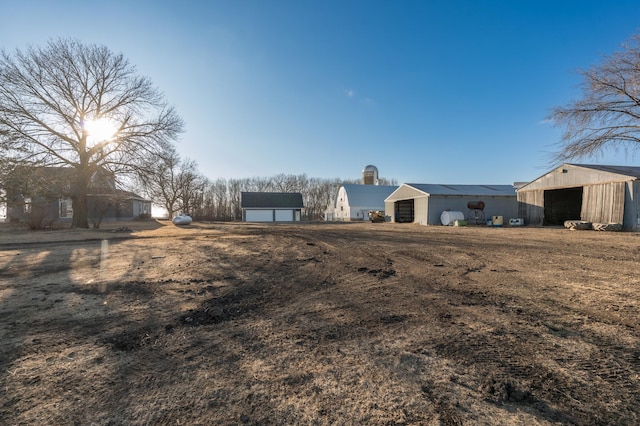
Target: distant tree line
[
  {"x": 220, "y": 199},
  {"x": 176, "y": 185}
]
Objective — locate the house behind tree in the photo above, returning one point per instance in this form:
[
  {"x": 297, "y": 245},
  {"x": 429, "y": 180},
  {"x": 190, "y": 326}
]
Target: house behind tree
[{"x": 42, "y": 195}]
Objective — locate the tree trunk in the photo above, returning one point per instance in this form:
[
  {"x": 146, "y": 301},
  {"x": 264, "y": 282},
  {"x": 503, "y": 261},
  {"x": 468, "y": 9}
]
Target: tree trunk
[
  {"x": 80, "y": 218},
  {"x": 79, "y": 199},
  {"x": 170, "y": 210}
]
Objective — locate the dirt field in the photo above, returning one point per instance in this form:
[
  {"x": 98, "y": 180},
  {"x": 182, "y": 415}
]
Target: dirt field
[{"x": 338, "y": 324}]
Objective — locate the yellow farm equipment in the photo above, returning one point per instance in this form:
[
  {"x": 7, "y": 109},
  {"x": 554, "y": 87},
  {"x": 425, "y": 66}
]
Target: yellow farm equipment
[{"x": 376, "y": 216}]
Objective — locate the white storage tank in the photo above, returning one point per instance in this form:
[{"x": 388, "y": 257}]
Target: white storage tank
[
  {"x": 448, "y": 218},
  {"x": 182, "y": 219}
]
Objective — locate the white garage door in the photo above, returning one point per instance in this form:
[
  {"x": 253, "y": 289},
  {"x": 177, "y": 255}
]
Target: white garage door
[
  {"x": 259, "y": 216},
  {"x": 284, "y": 215}
]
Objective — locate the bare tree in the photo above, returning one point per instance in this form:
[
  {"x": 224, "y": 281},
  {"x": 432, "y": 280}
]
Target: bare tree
[
  {"x": 173, "y": 182},
  {"x": 235, "y": 187},
  {"x": 314, "y": 197},
  {"x": 159, "y": 178},
  {"x": 389, "y": 182},
  {"x": 190, "y": 185},
  {"x": 608, "y": 114},
  {"x": 6, "y": 168},
  {"x": 286, "y": 183},
  {"x": 219, "y": 195},
  {"x": 80, "y": 106}
]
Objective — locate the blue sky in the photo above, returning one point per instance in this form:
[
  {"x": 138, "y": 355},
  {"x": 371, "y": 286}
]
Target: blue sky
[{"x": 428, "y": 91}]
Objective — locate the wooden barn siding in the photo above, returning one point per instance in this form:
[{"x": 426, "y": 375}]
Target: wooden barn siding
[
  {"x": 531, "y": 206},
  {"x": 600, "y": 203},
  {"x": 603, "y": 203},
  {"x": 632, "y": 203}
]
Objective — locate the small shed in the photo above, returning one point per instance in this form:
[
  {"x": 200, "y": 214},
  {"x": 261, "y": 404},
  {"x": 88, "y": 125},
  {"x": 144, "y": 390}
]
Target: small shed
[
  {"x": 594, "y": 193},
  {"x": 271, "y": 206},
  {"x": 354, "y": 201},
  {"x": 424, "y": 203}
]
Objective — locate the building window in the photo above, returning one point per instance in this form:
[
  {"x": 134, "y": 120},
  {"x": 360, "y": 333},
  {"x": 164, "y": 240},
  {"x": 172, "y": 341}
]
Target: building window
[
  {"x": 27, "y": 205},
  {"x": 66, "y": 209}
]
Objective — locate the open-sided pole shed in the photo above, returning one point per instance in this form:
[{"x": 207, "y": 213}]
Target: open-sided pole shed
[{"x": 593, "y": 193}]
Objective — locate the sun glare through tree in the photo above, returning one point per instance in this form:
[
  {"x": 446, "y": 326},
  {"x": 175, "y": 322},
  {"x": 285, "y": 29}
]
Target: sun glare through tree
[
  {"x": 83, "y": 107},
  {"x": 100, "y": 130}
]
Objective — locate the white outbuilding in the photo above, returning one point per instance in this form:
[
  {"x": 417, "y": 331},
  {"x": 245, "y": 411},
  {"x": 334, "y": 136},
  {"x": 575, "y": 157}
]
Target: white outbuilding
[
  {"x": 425, "y": 203},
  {"x": 271, "y": 206}
]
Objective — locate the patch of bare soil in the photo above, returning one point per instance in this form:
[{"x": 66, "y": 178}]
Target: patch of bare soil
[{"x": 319, "y": 324}]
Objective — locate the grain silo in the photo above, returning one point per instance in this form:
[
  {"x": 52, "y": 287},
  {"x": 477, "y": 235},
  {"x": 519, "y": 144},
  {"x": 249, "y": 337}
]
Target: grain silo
[{"x": 370, "y": 175}]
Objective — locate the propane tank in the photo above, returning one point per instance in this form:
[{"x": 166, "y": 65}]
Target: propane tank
[{"x": 475, "y": 205}]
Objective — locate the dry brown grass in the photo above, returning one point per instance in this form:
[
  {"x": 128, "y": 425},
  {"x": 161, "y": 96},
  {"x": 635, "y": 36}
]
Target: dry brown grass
[{"x": 319, "y": 324}]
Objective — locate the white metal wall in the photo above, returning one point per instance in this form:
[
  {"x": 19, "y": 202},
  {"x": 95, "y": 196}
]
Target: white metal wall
[
  {"x": 284, "y": 215},
  {"x": 389, "y": 210},
  {"x": 259, "y": 215},
  {"x": 271, "y": 215},
  {"x": 428, "y": 208},
  {"x": 507, "y": 207},
  {"x": 421, "y": 210},
  {"x": 342, "y": 211}
]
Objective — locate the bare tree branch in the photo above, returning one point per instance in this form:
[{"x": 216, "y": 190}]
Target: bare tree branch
[{"x": 608, "y": 114}]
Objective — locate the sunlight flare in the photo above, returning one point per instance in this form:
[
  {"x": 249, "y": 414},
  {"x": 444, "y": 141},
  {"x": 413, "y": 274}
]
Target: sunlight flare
[{"x": 101, "y": 129}]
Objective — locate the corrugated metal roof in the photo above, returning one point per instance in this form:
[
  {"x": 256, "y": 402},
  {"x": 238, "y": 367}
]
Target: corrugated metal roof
[
  {"x": 475, "y": 190},
  {"x": 289, "y": 200},
  {"x": 367, "y": 195},
  {"x": 632, "y": 171},
  {"x": 626, "y": 171}
]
